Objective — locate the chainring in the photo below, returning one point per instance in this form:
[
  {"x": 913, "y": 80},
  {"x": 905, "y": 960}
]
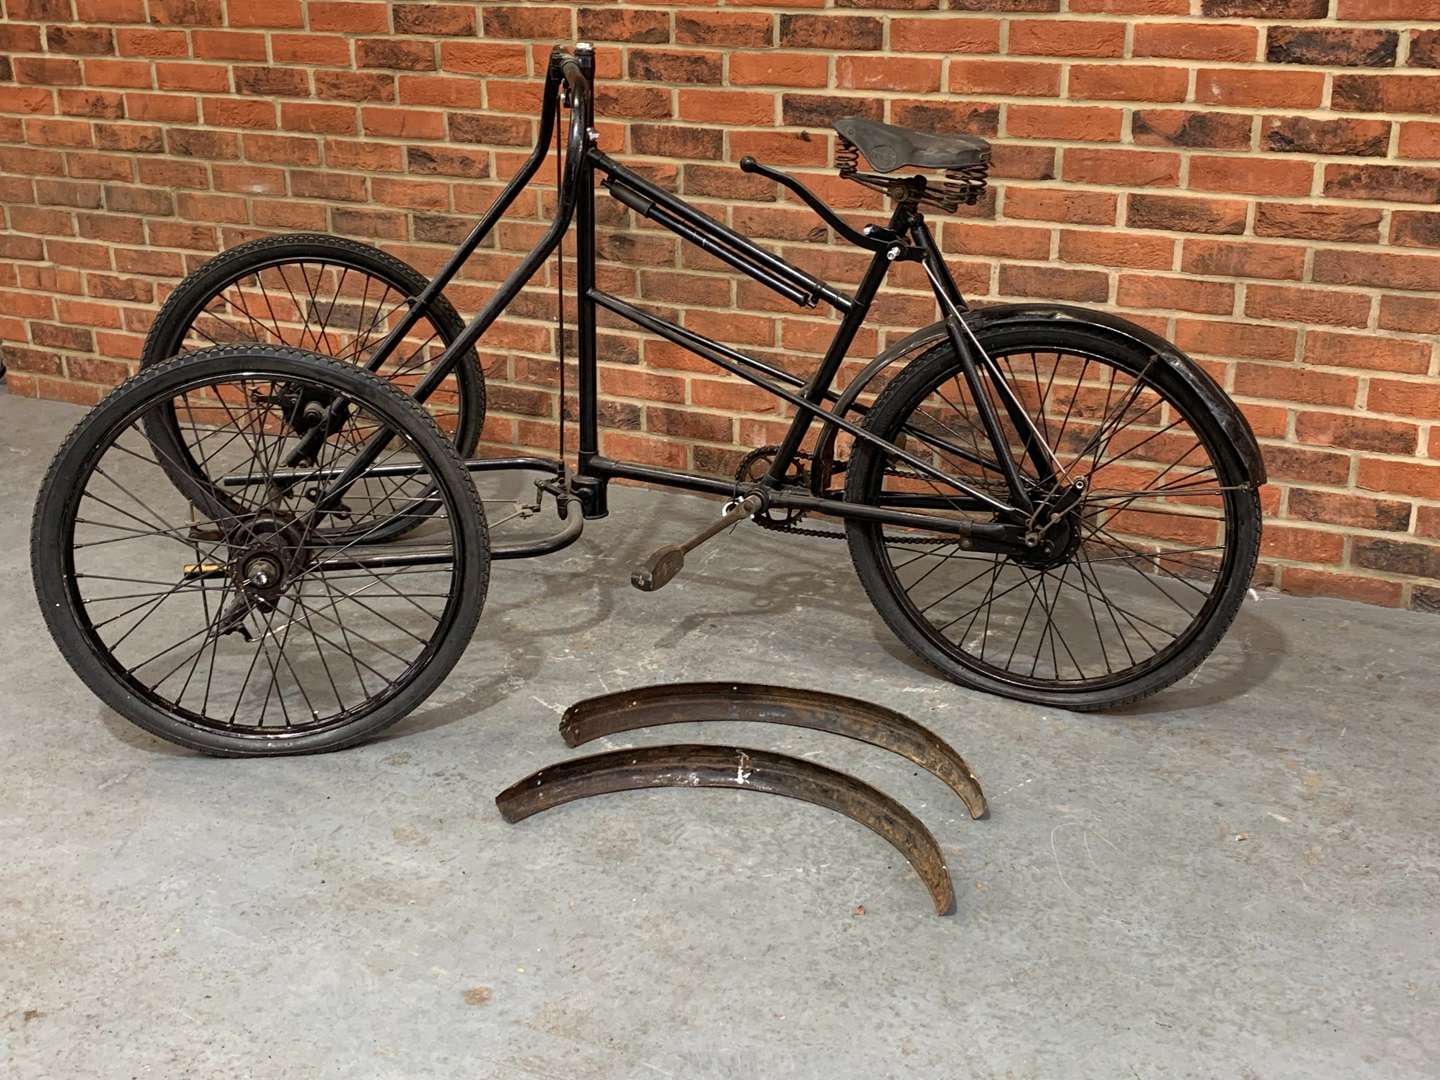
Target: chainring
[{"x": 752, "y": 469}]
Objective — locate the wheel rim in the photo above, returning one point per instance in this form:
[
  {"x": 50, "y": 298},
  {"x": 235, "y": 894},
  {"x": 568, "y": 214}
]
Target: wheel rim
[
  {"x": 328, "y": 643},
  {"x": 330, "y": 306},
  {"x": 1154, "y": 535}
]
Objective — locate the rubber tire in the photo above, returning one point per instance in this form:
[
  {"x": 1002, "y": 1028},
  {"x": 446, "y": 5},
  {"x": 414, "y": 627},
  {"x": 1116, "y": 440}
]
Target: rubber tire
[
  {"x": 177, "y": 314},
  {"x": 50, "y": 554},
  {"x": 887, "y": 415}
]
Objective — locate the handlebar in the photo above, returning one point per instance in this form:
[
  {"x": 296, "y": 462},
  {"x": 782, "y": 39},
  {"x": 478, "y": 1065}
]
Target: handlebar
[{"x": 871, "y": 243}]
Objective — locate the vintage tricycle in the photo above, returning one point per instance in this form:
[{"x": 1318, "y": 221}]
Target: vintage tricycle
[{"x": 269, "y": 540}]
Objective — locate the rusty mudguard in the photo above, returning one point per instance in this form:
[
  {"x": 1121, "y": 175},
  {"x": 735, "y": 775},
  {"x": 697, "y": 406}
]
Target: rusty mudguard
[
  {"x": 681, "y": 703},
  {"x": 697, "y": 765}
]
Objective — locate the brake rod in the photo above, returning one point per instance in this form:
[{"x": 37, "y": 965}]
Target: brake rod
[
  {"x": 683, "y": 703},
  {"x": 694, "y": 765}
]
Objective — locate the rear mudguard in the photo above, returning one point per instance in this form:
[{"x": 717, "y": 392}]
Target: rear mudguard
[
  {"x": 685, "y": 703},
  {"x": 1007, "y": 316},
  {"x": 695, "y": 765}
]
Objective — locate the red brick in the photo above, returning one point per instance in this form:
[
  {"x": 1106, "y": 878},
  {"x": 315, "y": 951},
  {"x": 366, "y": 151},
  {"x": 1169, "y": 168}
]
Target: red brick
[
  {"x": 1132, "y": 168},
  {"x": 80, "y": 40},
  {"x": 1304, "y": 582},
  {"x": 440, "y": 90},
  {"x": 887, "y": 73},
  {"x": 1286, "y": 303},
  {"x": 737, "y": 107},
  {"x": 1226, "y": 258},
  {"x": 1251, "y": 87},
  {"x": 227, "y": 45},
  {"x": 477, "y": 57},
  {"x": 1349, "y": 432},
  {"x": 1303, "y": 134},
  {"x": 1387, "y": 93},
  {"x": 527, "y": 22},
  {"x": 1128, "y": 82},
  {"x": 1331, "y": 46},
  {"x": 1310, "y": 222},
  {"x": 349, "y": 17},
  {"x": 1367, "y": 351},
  {"x": 399, "y": 55},
  {"x": 433, "y": 19},
  {"x": 1425, "y": 48},
  {"x": 187, "y": 12},
  {"x": 735, "y": 28},
  {"x": 1011, "y": 241},
  {"x": 1417, "y": 314},
  {"x": 1048, "y": 204},
  {"x": 1400, "y": 478},
  {"x": 945, "y": 35},
  {"x": 1009, "y": 77},
  {"x": 1197, "y": 41},
  {"x": 1397, "y": 183},
  {"x": 595, "y": 24},
  {"x": 1281, "y": 383},
  {"x": 1419, "y": 273},
  {"x": 1388, "y": 10},
  {"x": 271, "y": 13},
  {"x": 1175, "y": 294},
  {"x": 134, "y": 42},
  {"x": 1055, "y": 283},
  {"x": 1301, "y": 545},
  {"x": 1079, "y": 123},
  {"x": 1419, "y": 139},
  {"x": 1251, "y": 175},
  {"x": 212, "y": 78},
  {"x": 673, "y": 66},
  {"x": 334, "y": 119},
  {"x": 844, "y": 32},
  {"x": 230, "y": 112},
  {"x": 1117, "y": 248},
  {"x": 1236, "y": 339},
  {"x": 1266, "y": 9},
  {"x": 1047, "y": 37},
  {"x": 1183, "y": 214},
  {"x": 1400, "y": 398}
]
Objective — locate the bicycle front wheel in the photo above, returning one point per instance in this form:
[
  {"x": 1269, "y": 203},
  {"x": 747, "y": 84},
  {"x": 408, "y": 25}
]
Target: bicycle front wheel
[{"x": 1138, "y": 581}]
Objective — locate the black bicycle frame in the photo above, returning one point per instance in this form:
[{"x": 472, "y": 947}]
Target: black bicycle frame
[{"x": 905, "y": 238}]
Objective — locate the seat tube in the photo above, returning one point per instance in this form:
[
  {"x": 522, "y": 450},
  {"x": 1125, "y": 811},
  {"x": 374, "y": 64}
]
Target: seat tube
[
  {"x": 829, "y": 367},
  {"x": 585, "y": 276}
]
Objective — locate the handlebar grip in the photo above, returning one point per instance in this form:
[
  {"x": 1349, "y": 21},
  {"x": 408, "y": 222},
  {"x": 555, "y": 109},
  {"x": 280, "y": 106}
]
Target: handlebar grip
[{"x": 749, "y": 164}]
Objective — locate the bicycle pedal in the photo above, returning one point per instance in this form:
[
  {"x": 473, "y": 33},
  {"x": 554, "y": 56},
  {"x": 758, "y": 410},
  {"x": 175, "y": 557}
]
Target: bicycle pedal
[{"x": 659, "y": 569}]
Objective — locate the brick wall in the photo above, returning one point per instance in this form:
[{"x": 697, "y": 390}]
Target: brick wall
[{"x": 1256, "y": 179}]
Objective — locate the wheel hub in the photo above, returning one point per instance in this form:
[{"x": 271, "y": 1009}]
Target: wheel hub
[
  {"x": 266, "y": 558},
  {"x": 1055, "y": 529}
]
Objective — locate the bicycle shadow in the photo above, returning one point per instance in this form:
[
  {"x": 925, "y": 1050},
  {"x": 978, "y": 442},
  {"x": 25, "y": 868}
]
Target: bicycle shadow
[{"x": 1256, "y": 646}]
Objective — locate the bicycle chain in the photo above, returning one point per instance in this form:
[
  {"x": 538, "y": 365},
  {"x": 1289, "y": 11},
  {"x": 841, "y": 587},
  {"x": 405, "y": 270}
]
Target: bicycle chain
[{"x": 792, "y": 526}]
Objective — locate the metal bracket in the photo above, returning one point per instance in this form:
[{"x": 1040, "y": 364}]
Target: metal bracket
[
  {"x": 684, "y": 703},
  {"x": 694, "y": 765}
]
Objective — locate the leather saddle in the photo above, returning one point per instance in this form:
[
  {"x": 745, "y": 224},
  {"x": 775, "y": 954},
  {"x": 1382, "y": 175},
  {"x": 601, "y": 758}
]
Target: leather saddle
[{"x": 888, "y": 147}]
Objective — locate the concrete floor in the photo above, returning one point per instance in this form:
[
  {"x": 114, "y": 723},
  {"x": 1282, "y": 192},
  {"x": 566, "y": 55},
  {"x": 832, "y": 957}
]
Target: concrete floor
[{"x": 1237, "y": 879}]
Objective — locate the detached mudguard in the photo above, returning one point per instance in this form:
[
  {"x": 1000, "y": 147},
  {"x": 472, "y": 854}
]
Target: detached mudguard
[
  {"x": 693, "y": 765},
  {"x": 684, "y": 703},
  {"x": 1231, "y": 420}
]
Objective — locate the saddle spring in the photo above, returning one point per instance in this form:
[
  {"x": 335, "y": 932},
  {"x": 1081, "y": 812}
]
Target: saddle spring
[{"x": 959, "y": 186}]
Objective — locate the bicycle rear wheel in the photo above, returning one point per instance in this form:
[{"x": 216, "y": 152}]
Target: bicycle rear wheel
[
  {"x": 225, "y": 616},
  {"x": 1140, "y": 578},
  {"x": 327, "y": 295}
]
